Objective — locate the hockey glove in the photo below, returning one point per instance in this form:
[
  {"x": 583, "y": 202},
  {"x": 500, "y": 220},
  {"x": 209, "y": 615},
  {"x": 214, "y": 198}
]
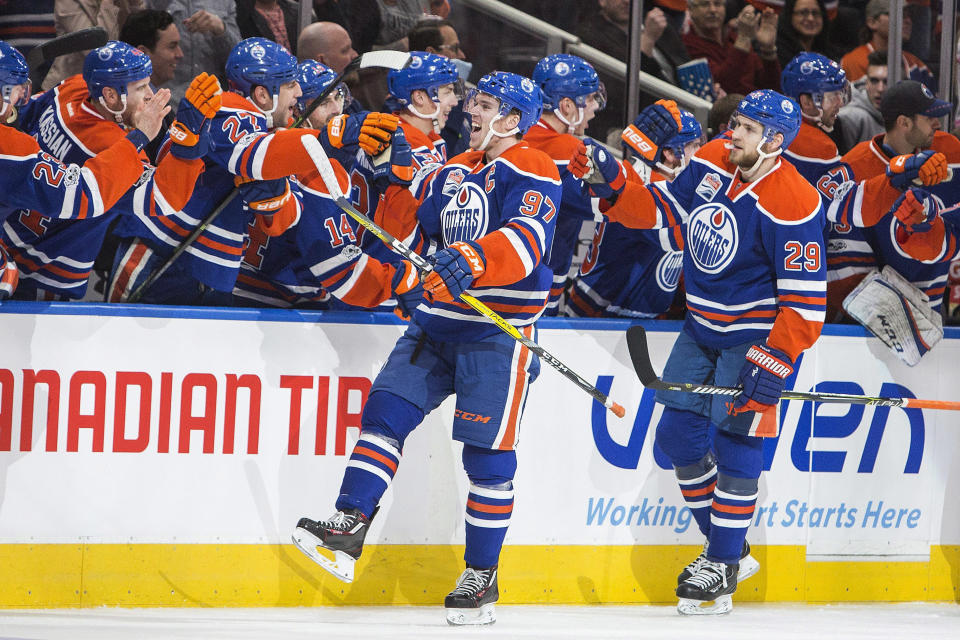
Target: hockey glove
[
  {"x": 406, "y": 287},
  {"x": 454, "y": 270},
  {"x": 600, "y": 170},
  {"x": 9, "y": 275},
  {"x": 394, "y": 165},
  {"x": 190, "y": 132},
  {"x": 264, "y": 196},
  {"x": 762, "y": 378},
  {"x": 916, "y": 210},
  {"x": 654, "y": 126},
  {"x": 927, "y": 168},
  {"x": 371, "y": 131}
]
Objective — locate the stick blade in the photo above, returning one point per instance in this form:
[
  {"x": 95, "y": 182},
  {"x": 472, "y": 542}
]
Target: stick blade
[
  {"x": 385, "y": 59},
  {"x": 640, "y": 355},
  {"x": 82, "y": 40}
]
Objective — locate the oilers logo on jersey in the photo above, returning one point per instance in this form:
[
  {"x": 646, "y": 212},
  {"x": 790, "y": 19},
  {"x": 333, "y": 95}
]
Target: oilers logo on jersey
[
  {"x": 668, "y": 270},
  {"x": 466, "y": 215},
  {"x": 712, "y": 237}
]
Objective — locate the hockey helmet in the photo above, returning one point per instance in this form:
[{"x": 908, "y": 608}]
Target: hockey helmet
[
  {"x": 260, "y": 62},
  {"x": 816, "y": 75},
  {"x": 314, "y": 78},
  {"x": 774, "y": 111},
  {"x": 427, "y": 72},
  {"x": 567, "y": 76},
  {"x": 513, "y": 92},
  {"x": 13, "y": 72},
  {"x": 115, "y": 65}
]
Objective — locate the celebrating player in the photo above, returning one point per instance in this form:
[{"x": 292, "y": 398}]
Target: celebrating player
[
  {"x": 249, "y": 148},
  {"x": 573, "y": 94},
  {"x": 80, "y": 117},
  {"x": 37, "y": 185},
  {"x": 450, "y": 349},
  {"x": 635, "y": 272}
]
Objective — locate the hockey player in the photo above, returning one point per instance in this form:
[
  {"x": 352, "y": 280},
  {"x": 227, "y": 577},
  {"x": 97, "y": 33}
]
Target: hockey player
[
  {"x": 630, "y": 272},
  {"x": 820, "y": 86},
  {"x": 249, "y": 148},
  {"x": 450, "y": 349},
  {"x": 35, "y": 182},
  {"x": 319, "y": 256},
  {"x": 78, "y": 119},
  {"x": 573, "y": 94}
]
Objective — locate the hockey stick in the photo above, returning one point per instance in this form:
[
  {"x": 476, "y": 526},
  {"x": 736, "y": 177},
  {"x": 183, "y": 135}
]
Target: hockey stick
[
  {"x": 386, "y": 59},
  {"x": 637, "y": 346},
  {"x": 315, "y": 149},
  {"x": 82, "y": 40}
]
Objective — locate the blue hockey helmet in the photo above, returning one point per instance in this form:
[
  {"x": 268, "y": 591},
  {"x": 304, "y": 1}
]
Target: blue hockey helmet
[
  {"x": 13, "y": 72},
  {"x": 567, "y": 76},
  {"x": 314, "y": 78},
  {"x": 514, "y": 92},
  {"x": 260, "y": 62},
  {"x": 775, "y": 111},
  {"x": 426, "y": 71},
  {"x": 690, "y": 131},
  {"x": 816, "y": 75},
  {"x": 115, "y": 65}
]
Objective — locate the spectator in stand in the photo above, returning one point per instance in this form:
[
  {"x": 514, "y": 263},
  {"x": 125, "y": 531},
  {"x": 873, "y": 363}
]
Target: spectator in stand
[
  {"x": 329, "y": 43},
  {"x": 719, "y": 117},
  {"x": 26, "y": 23},
  {"x": 74, "y": 15},
  {"x": 876, "y": 34},
  {"x": 398, "y": 17},
  {"x": 275, "y": 20},
  {"x": 802, "y": 27},
  {"x": 742, "y": 59},
  {"x": 661, "y": 48},
  {"x": 154, "y": 33},
  {"x": 208, "y": 32},
  {"x": 861, "y": 119}
]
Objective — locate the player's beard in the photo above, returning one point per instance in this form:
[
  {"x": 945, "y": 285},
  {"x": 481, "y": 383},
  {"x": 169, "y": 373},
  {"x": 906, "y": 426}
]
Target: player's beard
[{"x": 744, "y": 158}]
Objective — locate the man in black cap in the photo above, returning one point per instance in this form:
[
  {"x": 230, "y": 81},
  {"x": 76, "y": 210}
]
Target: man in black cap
[{"x": 912, "y": 252}]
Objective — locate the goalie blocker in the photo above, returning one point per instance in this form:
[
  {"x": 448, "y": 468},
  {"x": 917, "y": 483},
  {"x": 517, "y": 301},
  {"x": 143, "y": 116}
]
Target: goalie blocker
[{"x": 897, "y": 313}]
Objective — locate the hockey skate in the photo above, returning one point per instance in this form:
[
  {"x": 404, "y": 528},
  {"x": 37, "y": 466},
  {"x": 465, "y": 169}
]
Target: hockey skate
[
  {"x": 472, "y": 600},
  {"x": 713, "y": 582},
  {"x": 749, "y": 566},
  {"x": 341, "y": 536}
]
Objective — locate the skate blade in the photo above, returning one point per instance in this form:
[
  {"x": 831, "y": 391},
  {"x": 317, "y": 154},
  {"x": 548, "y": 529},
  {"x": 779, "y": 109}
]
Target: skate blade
[
  {"x": 749, "y": 567},
  {"x": 721, "y": 605},
  {"x": 340, "y": 566},
  {"x": 482, "y": 615}
]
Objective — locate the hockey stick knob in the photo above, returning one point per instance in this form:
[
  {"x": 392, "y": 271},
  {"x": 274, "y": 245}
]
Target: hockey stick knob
[{"x": 618, "y": 410}]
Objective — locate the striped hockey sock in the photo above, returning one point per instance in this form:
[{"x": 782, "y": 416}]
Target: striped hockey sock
[
  {"x": 370, "y": 471},
  {"x": 734, "y": 501},
  {"x": 488, "y": 515},
  {"x": 697, "y": 482}
]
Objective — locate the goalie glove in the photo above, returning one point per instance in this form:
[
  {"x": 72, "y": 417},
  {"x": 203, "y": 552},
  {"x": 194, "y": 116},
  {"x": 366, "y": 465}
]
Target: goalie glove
[
  {"x": 762, "y": 378},
  {"x": 454, "y": 270},
  {"x": 595, "y": 166},
  {"x": 655, "y": 125},
  {"x": 190, "y": 132},
  {"x": 927, "y": 167},
  {"x": 371, "y": 131}
]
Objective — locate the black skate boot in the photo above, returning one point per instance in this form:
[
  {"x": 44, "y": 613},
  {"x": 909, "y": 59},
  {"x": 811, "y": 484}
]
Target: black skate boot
[
  {"x": 713, "y": 582},
  {"x": 342, "y": 534},
  {"x": 748, "y": 564},
  {"x": 472, "y": 600}
]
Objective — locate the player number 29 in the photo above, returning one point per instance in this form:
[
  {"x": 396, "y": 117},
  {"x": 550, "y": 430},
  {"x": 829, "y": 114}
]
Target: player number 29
[{"x": 802, "y": 257}]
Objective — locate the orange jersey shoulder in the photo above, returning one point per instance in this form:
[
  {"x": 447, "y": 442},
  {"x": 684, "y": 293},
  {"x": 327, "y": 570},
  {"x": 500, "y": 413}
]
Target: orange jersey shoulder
[
  {"x": 559, "y": 146},
  {"x": 233, "y": 100},
  {"x": 786, "y": 195},
  {"x": 84, "y": 124},
  {"x": 855, "y": 62},
  {"x": 17, "y": 143},
  {"x": 866, "y": 160},
  {"x": 530, "y": 160},
  {"x": 716, "y": 153},
  {"x": 947, "y": 144},
  {"x": 811, "y": 142}
]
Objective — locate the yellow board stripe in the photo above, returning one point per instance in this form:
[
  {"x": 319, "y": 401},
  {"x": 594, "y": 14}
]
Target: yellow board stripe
[{"x": 234, "y": 575}]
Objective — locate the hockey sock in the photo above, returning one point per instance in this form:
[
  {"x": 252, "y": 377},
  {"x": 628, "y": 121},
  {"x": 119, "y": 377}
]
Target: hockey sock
[
  {"x": 489, "y": 503},
  {"x": 386, "y": 422},
  {"x": 740, "y": 460},
  {"x": 697, "y": 482}
]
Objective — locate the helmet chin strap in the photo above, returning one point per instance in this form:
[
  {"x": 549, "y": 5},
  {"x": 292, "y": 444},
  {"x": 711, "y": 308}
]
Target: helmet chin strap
[
  {"x": 117, "y": 115},
  {"x": 571, "y": 126},
  {"x": 761, "y": 156},
  {"x": 490, "y": 133},
  {"x": 435, "y": 116}
]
